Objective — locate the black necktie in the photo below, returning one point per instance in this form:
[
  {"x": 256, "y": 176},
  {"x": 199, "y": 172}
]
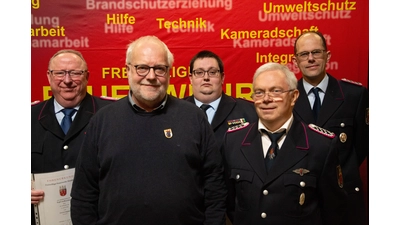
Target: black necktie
[
  {"x": 273, "y": 148},
  {"x": 317, "y": 102},
  {"x": 67, "y": 120},
  {"x": 204, "y": 107}
]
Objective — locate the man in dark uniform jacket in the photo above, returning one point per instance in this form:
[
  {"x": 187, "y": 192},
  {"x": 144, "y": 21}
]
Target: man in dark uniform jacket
[
  {"x": 304, "y": 184},
  {"x": 344, "y": 111},
  {"x": 207, "y": 77},
  {"x": 52, "y": 149}
]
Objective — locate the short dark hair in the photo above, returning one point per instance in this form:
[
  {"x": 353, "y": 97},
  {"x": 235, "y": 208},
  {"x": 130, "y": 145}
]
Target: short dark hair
[
  {"x": 207, "y": 54},
  {"x": 311, "y": 32}
]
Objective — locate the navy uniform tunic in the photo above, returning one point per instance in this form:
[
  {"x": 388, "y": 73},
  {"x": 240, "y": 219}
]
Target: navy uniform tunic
[
  {"x": 302, "y": 187},
  {"x": 344, "y": 111},
  {"x": 51, "y": 149}
]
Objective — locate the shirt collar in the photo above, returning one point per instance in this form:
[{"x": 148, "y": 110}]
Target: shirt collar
[
  {"x": 214, "y": 104},
  {"x": 58, "y": 107},
  {"x": 286, "y": 126},
  {"x": 323, "y": 85},
  {"x": 139, "y": 109}
]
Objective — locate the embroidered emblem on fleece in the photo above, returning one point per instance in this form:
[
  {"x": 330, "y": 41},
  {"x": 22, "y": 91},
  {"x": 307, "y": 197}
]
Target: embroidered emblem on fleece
[{"x": 168, "y": 133}]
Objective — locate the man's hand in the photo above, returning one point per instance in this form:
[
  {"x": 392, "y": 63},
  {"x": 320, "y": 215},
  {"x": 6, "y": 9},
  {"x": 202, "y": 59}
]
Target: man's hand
[{"x": 36, "y": 196}]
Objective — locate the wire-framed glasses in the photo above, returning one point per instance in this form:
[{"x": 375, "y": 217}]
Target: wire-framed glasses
[
  {"x": 274, "y": 93},
  {"x": 316, "y": 54},
  {"x": 201, "y": 73}
]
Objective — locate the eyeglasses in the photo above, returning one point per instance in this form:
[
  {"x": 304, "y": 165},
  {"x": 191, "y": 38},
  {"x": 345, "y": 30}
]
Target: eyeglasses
[
  {"x": 202, "y": 73},
  {"x": 274, "y": 93},
  {"x": 74, "y": 74},
  {"x": 317, "y": 54},
  {"x": 143, "y": 70}
]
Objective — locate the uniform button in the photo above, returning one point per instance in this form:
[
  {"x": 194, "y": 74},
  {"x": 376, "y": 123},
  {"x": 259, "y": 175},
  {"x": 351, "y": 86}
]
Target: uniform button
[
  {"x": 237, "y": 176},
  {"x": 263, "y": 215},
  {"x": 66, "y": 167},
  {"x": 65, "y": 147},
  {"x": 302, "y": 183},
  {"x": 342, "y": 124},
  {"x": 357, "y": 189},
  {"x": 265, "y": 192}
]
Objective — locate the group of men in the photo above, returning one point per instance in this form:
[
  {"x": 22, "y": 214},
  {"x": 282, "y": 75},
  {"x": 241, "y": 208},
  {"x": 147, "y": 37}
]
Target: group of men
[{"x": 151, "y": 158}]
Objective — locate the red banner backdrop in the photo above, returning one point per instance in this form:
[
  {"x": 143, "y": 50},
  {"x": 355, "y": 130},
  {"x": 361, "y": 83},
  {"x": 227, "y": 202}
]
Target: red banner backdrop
[{"x": 245, "y": 34}]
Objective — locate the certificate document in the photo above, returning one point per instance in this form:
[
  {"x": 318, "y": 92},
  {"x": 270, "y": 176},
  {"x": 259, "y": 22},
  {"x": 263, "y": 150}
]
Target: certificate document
[{"x": 55, "y": 207}]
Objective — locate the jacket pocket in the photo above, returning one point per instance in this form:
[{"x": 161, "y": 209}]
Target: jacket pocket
[{"x": 244, "y": 188}]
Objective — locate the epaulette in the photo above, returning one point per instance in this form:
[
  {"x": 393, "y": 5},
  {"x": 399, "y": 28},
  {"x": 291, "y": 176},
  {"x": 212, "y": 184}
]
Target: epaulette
[
  {"x": 321, "y": 130},
  {"x": 238, "y": 127},
  {"x": 35, "y": 102},
  {"x": 109, "y": 98},
  {"x": 352, "y": 82}
]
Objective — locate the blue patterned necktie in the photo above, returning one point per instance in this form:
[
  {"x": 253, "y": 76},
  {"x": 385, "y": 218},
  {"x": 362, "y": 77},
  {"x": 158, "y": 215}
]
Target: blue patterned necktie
[
  {"x": 67, "y": 120},
  {"x": 273, "y": 148}
]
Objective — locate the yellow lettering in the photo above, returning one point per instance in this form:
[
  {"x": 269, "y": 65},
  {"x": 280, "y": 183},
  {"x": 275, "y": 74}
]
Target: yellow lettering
[
  {"x": 228, "y": 89},
  {"x": 282, "y": 59},
  {"x": 120, "y": 19},
  {"x": 198, "y": 23},
  {"x": 180, "y": 72},
  {"x": 244, "y": 90},
  {"x": 160, "y": 22},
  {"x": 190, "y": 90},
  {"x": 35, "y": 4},
  {"x": 115, "y": 91},
  {"x": 114, "y": 72},
  {"x": 46, "y": 92},
  {"x": 104, "y": 91},
  {"x": 45, "y": 32},
  {"x": 119, "y": 91},
  {"x": 172, "y": 91},
  {"x": 90, "y": 90}
]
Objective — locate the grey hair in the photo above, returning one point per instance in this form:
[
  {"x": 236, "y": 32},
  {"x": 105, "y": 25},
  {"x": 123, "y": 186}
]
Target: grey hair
[
  {"x": 272, "y": 66},
  {"x": 149, "y": 38}
]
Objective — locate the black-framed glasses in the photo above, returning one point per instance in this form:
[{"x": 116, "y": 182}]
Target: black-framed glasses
[
  {"x": 143, "y": 70},
  {"x": 202, "y": 73},
  {"x": 274, "y": 93},
  {"x": 316, "y": 53},
  {"x": 74, "y": 74}
]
